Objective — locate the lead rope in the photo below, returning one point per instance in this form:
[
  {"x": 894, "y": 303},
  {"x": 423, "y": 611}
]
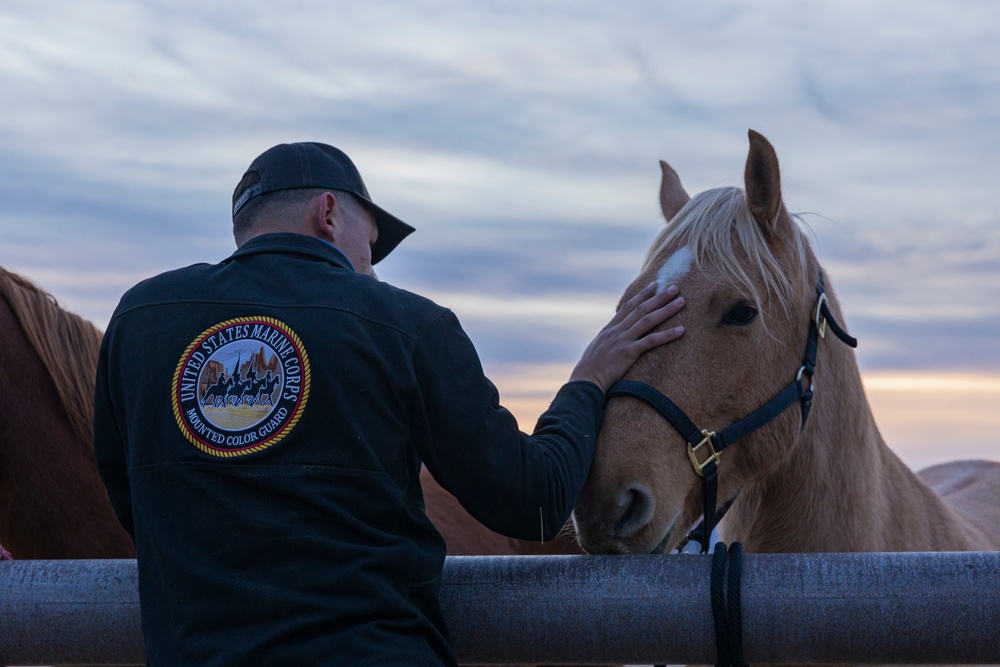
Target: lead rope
[
  {"x": 719, "y": 616},
  {"x": 725, "y": 589},
  {"x": 734, "y": 603}
]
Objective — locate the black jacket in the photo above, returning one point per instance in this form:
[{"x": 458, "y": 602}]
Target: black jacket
[{"x": 260, "y": 425}]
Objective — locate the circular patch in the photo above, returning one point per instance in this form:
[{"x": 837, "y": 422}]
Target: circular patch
[{"x": 241, "y": 386}]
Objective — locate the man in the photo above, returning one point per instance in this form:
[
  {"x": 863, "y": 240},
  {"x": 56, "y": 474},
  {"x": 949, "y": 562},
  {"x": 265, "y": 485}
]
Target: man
[{"x": 291, "y": 531}]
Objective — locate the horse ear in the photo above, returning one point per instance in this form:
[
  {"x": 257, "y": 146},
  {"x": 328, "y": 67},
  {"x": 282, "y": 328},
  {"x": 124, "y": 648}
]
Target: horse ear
[
  {"x": 763, "y": 184},
  {"x": 672, "y": 194}
]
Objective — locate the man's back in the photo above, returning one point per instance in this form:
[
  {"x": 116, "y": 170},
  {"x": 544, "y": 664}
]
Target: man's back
[
  {"x": 260, "y": 425},
  {"x": 299, "y": 506}
]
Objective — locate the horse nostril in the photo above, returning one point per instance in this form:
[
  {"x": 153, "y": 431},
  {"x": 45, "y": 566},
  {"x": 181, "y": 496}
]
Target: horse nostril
[{"x": 636, "y": 504}]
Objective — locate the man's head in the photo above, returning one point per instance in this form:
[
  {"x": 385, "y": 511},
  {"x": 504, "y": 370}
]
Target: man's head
[{"x": 309, "y": 188}]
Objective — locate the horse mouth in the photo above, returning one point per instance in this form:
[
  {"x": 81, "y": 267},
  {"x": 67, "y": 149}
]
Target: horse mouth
[{"x": 662, "y": 547}]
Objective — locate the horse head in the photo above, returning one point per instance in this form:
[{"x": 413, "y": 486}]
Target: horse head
[{"x": 749, "y": 279}]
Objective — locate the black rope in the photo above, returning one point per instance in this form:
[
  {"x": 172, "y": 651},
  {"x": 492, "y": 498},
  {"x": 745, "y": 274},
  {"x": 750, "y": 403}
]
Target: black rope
[
  {"x": 725, "y": 588},
  {"x": 719, "y": 615},
  {"x": 735, "y": 615},
  {"x": 727, "y": 611}
]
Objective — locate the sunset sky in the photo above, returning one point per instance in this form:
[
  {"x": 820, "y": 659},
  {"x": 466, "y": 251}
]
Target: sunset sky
[{"x": 522, "y": 140}]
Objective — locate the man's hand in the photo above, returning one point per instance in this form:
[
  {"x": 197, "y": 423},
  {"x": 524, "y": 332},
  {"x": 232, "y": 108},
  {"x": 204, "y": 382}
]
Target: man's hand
[{"x": 627, "y": 335}]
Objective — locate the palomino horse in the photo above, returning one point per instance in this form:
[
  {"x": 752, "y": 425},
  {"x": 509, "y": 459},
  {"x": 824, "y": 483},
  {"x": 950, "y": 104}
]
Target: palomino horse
[{"x": 819, "y": 479}]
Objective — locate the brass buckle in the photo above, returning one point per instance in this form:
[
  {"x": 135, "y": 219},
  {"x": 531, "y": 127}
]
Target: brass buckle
[
  {"x": 713, "y": 456},
  {"x": 818, "y": 318}
]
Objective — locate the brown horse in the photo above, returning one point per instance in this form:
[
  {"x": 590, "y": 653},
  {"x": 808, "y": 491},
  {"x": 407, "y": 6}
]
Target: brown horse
[
  {"x": 467, "y": 537},
  {"x": 828, "y": 483},
  {"x": 52, "y": 501}
]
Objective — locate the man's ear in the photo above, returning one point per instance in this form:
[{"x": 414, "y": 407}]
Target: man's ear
[{"x": 324, "y": 216}]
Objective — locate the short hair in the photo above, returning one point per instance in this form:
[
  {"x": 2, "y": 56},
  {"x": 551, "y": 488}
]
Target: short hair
[
  {"x": 347, "y": 200},
  {"x": 274, "y": 204}
]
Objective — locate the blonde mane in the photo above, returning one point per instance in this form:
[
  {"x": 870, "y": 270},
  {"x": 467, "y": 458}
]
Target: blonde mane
[
  {"x": 718, "y": 224},
  {"x": 67, "y": 344}
]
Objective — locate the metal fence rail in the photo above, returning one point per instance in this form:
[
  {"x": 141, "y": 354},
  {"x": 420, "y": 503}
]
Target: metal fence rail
[{"x": 860, "y": 608}]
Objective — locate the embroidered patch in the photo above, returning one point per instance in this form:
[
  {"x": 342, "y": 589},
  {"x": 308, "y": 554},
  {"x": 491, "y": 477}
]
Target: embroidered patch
[{"x": 241, "y": 386}]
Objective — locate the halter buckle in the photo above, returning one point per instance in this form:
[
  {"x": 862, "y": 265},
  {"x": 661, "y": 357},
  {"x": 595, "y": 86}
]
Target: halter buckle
[
  {"x": 818, "y": 317},
  {"x": 713, "y": 456}
]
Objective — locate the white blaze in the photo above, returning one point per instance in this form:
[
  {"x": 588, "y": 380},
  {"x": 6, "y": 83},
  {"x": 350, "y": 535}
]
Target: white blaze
[{"x": 675, "y": 268}]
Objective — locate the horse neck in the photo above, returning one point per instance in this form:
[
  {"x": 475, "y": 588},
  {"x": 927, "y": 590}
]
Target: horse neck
[
  {"x": 842, "y": 488},
  {"x": 66, "y": 344}
]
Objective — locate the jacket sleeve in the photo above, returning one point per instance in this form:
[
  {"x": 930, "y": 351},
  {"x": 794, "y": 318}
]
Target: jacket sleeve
[
  {"x": 519, "y": 485},
  {"x": 109, "y": 445}
]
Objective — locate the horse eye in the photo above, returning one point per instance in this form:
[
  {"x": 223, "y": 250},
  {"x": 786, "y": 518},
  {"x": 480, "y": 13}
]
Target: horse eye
[{"x": 740, "y": 316}]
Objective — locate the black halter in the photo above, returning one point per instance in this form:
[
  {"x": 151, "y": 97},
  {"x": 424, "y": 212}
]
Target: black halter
[{"x": 711, "y": 444}]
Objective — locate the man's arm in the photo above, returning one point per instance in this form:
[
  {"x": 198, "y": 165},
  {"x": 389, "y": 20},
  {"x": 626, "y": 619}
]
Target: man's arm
[
  {"x": 109, "y": 445},
  {"x": 519, "y": 485}
]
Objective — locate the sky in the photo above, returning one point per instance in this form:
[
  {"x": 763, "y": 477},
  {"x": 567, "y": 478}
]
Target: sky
[{"x": 522, "y": 139}]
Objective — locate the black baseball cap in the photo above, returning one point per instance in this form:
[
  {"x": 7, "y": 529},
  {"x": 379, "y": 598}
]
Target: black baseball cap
[{"x": 315, "y": 165}]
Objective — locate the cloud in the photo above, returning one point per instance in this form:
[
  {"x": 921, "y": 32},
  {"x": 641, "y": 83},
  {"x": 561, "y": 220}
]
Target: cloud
[{"x": 522, "y": 142}]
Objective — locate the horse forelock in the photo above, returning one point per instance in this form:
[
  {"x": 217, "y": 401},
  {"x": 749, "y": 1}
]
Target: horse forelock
[
  {"x": 719, "y": 228},
  {"x": 67, "y": 344}
]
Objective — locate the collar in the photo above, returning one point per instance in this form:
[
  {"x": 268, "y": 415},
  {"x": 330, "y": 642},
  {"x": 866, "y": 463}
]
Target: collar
[{"x": 299, "y": 244}]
